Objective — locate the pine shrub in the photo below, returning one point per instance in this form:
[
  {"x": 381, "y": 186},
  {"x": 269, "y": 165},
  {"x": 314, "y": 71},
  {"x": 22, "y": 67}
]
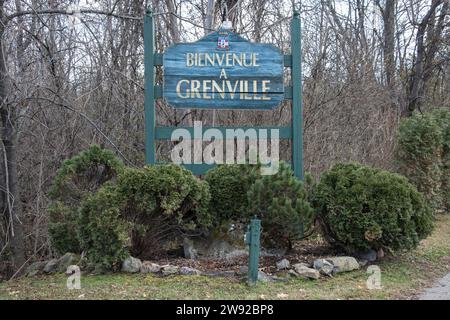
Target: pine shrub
[
  {"x": 281, "y": 202},
  {"x": 366, "y": 208},
  {"x": 229, "y": 185},
  {"x": 142, "y": 211}
]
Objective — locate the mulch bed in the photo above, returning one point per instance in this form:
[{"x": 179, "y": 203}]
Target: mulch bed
[{"x": 305, "y": 251}]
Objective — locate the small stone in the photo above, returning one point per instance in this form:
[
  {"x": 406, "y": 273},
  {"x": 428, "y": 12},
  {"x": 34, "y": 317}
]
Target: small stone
[
  {"x": 51, "y": 266},
  {"x": 323, "y": 266},
  {"x": 303, "y": 271},
  {"x": 150, "y": 267},
  {"x": 343, "y": 264},
  {"x": 264, "y": 277},
  {"x": 186, "y": 271},
  {"x": 131, "y": 265},
  {"x": 283, "y": 264},
  {"x": 35, "y": 268},
  {"x": 168, "y": 270}
]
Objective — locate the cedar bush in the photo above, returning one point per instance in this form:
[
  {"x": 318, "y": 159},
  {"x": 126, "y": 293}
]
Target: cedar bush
[
  {"x": 423, "y": 144},
  {"x": 281, "y": 202},
  {"x": 365, "y": 208},
  {"x": 141, "y": 212},
  {"x": 442, "y": 116},
  {"x": 229, "y": 185},
  {"x": 77, "y": 178}
]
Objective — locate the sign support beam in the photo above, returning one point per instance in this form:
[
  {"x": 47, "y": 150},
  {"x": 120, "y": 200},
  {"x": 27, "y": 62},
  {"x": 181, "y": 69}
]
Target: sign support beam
[
  {"x": 150, "y": 118},
  {"x": 297, "y": 109}
]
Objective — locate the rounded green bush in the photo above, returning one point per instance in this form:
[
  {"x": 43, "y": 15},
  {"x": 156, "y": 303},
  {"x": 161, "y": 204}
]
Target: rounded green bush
[
  {"x": 229, "y": 185},
  {"x": 281, "y": 202},
  {"x": 366, "y": 208},
  {"x": 77, "y": 178},
  {"x": 157, "y": 204}
]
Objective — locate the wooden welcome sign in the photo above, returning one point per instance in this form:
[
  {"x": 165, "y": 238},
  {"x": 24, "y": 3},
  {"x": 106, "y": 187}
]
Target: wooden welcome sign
[{"x": 223, "y": 71}]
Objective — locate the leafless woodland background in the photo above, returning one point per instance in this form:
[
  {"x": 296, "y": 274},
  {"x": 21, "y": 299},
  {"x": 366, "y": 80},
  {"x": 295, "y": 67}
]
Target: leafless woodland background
[{"x": 69, "y": 80}]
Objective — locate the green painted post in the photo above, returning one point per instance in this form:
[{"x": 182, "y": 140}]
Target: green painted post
[
  {"x": 252, "y": 238},
  {"x": 149, "y": 50},
  {"x": 297, "y": 112}
]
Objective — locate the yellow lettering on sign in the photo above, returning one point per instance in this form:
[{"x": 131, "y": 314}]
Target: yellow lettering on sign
[
  {"x": 212, "y": 89},
  {"x": 186, "y": 92},
  {"x": 223, "y": 74},
  {"x": 206, "y": 89},
  {"x": 202, "y": 59},
  {"x": 190, "y": 60},
  {"x": 195, "y": 89},
  {"x": 265, "y": 89}
]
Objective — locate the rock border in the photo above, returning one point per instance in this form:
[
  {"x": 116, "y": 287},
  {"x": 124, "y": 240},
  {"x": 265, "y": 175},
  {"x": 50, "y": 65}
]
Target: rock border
[{"x": 285, "y": 269}]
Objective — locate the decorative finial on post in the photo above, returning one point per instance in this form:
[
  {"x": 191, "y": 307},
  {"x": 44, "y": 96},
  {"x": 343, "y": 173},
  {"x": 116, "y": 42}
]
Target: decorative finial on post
[
  {"x": 227, "y": 25},
  {"x": 296, "y": 14},
  {"x": 149, "y": 11}
]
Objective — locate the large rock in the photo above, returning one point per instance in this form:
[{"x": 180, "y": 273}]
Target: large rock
[
  {"x": 301, "y": 264},
  {"x": 283, "y": 264},
  {"x": 131, "y": 265},
  {"x": 305, "y": 272},
  {"x": 212, "y": 249},
  {"x": 225, "y": 242},
  {"x": 35, "y": 268},
  {"x": 186, "y": 271},
  {"x": 323, "y": 266},
  {"x": 168, "y": 270},
  {"x": 67, "y": 260},
  {"x": 150, "y": 267},
  {"x": 343, "y": 264},
  {"x": 221, "y": 249},
  {"x": 51, "y": 266}
]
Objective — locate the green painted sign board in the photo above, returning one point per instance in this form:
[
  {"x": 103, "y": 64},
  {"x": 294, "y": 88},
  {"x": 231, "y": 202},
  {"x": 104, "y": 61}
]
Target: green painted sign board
[{"x": 223, "y": 71}]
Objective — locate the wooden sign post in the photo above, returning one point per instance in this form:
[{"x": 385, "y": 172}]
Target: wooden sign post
[{"x": 223, "y": 71}]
